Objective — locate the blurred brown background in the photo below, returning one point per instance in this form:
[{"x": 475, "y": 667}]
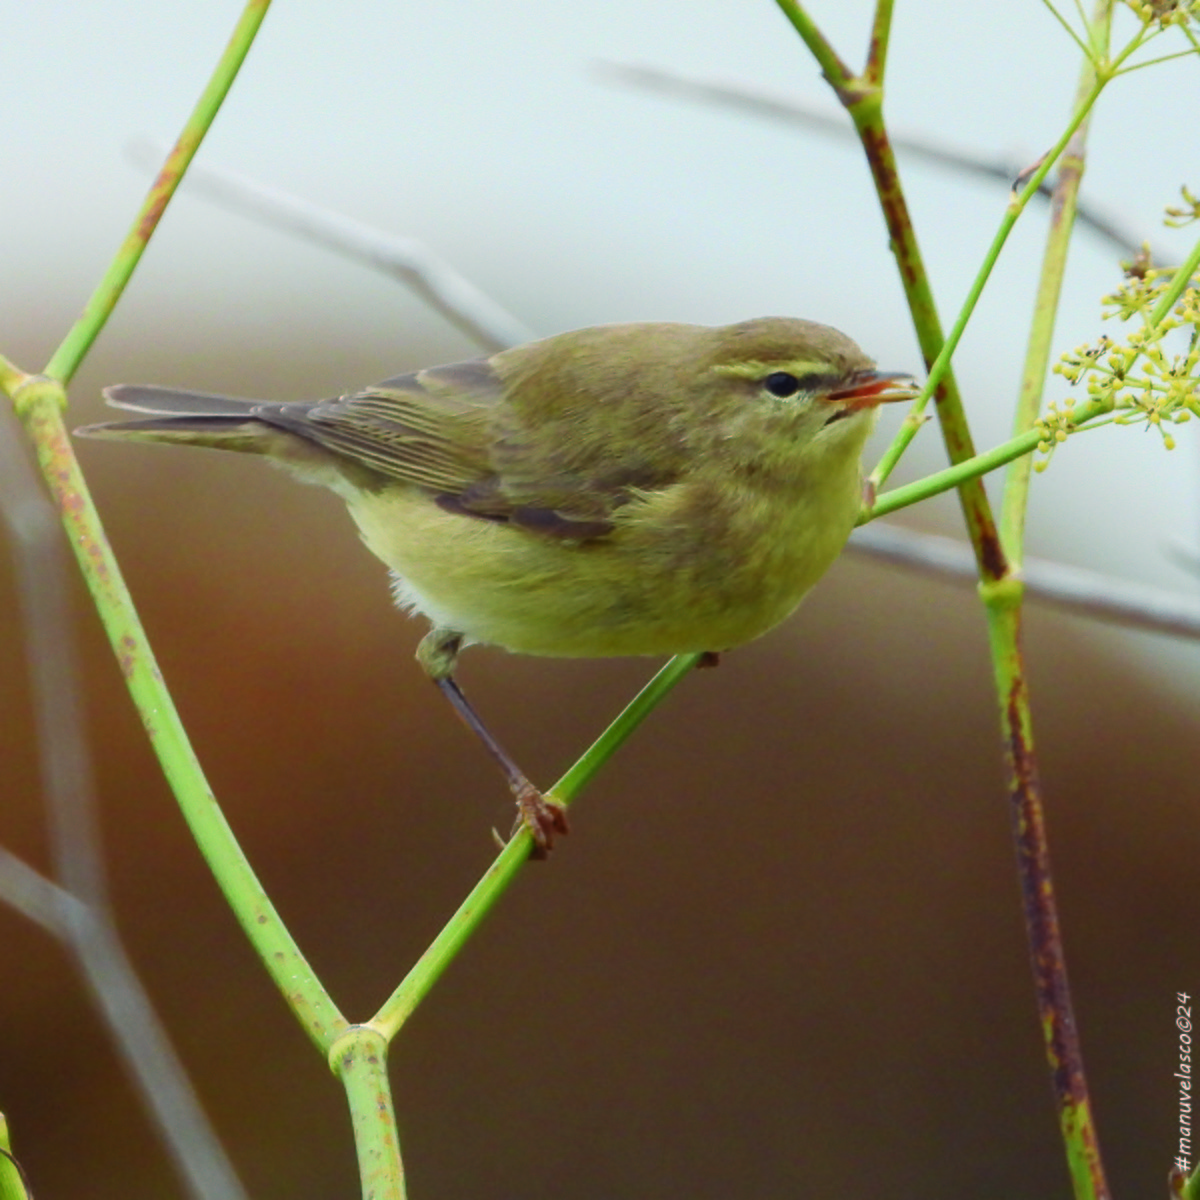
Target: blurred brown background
[{"x": 782, "y": 952}]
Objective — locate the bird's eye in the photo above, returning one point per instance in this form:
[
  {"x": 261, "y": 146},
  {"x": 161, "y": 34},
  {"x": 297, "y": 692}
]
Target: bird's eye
[{"x": 781, "y": 384}]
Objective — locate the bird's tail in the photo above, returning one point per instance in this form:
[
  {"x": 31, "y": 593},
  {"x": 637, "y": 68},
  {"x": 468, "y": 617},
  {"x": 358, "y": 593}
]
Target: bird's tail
[{"x": 194, "y": 418}]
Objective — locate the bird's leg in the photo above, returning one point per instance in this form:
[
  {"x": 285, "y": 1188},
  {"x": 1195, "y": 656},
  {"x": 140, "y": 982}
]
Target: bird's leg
[
  {"x": 437, "y": 654},
  {"x": 544, "y": 818}
]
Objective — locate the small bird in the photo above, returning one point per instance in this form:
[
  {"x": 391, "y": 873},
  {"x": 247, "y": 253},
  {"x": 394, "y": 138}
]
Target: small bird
[{"x": 639, "y": 489}]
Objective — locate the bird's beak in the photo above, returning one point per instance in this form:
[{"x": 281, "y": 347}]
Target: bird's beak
[{"x": 866, "y": 389}]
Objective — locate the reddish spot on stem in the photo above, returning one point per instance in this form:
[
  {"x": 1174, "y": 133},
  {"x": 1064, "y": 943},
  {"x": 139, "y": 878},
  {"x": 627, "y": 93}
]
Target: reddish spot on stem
[
  {"x": 991, "y": 554},
  {"x": 1063, "y": 1052},
  {"x": 128, "y": 655}
]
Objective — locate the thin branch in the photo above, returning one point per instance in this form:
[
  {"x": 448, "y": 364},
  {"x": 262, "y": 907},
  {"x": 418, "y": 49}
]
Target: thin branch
[
  {"x": 1083, "y": 49},
  {"x": 1064, "y": 207},
  {"x": 70, "y": 353},
  {"x": 881, "y": 32},
  {"x": 432, "y": 278},
  {"x": 832, "y": 67},
  {"x": 34, "y": 896},
  {"x": 1003, "y": 602},
  {"x": 940, "y": 367},
  {"x": 79, "y": 913},
  {"x": 40, "y": 403},
  {"x": 429, "y": 968},
  {"x": 1154, "y": 62},
  {"x": 1181, "y": 280}
]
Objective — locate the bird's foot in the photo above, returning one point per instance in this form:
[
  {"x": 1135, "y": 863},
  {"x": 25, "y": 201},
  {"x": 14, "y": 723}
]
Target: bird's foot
[{"x": 543, "y": 818}]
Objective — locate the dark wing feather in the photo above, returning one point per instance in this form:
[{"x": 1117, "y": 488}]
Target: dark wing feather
[
  {"x": 453, "y": 431},
  {"x": 429, "y": 429}
]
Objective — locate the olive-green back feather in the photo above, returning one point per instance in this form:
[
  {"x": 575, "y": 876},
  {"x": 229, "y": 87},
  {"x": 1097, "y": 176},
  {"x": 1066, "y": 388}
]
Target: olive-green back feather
[{"x": 555, "y": 435}]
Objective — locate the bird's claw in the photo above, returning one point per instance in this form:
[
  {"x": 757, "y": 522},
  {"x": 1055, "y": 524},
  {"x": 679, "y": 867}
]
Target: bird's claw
[{"x": 543, "y": 818}]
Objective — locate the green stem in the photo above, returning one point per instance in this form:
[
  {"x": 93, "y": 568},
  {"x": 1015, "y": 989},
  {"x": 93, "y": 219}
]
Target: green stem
[
  {"x": 66, "y": 359},
  {"x": 981, "y": 464},
  {"x": 359, "y": 1059},
  {"x": 881, "y": 32},
  {"x": 1190, "y": 1187},
  {"x": 951, "y": 477},
  {"x": 1154, "y": 62},
  {"x": 445, "y": 947},
  {"x": 615, "y": 736},
  {"x": 12, "y": 1181},
  {"x": 1182, "y": 277},
  {"x": 1027, "y": 811},
  {"x": 862, "y": 98},
  {"x": 11, "y": 376},
  {"x": 1063, "y": 205},
  {"x": 39, "y": 404},
  {"x": 832, "y": 67},
  {"x": 1003, "y": 605},
  {"x": 940, "y": 365},
  {"x": 1084, "y": 49},
  {"x": 1001, "y": 591}
]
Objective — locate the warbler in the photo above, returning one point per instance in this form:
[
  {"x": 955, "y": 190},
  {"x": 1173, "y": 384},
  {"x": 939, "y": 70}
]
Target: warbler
[{"x": 639, "y": 489}]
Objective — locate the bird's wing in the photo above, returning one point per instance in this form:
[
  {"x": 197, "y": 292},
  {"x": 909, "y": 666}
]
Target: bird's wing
[
  {"x": 453, "y": 431},
  {"x": 428, "y": 429}
]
